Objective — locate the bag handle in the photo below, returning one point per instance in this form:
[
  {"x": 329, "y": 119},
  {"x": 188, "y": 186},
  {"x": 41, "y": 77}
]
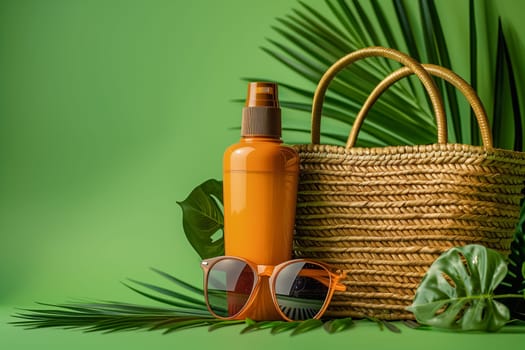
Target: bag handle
[
  {"x": 438, "y": 71},
  {"x": 374, "y": 51}
]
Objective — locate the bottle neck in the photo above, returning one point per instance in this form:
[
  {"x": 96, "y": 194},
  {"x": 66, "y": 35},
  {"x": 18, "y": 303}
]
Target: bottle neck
[
  {"x": 261, "y": 121},
  {"x": 254, "y": 138}
]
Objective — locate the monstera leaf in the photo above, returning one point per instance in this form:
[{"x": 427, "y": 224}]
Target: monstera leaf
[
  {"x": 457, "y": 291},
  {"x": 202, "y": 219}
]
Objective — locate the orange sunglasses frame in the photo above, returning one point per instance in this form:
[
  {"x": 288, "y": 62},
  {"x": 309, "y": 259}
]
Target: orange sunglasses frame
[{"x": 272, "y": 271}]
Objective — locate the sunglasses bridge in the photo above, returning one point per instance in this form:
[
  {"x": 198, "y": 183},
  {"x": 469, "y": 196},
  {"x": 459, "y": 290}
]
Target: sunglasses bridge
[{"x": 265, "y": 270}]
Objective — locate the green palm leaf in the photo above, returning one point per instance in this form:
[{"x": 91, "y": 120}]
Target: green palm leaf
[
  {"x": 406, "y": 27},
  {"x": 473, "y": 41},
  {"x": 311, "y": 41},
  {"x": 437, "y": 52},
  {"x": 506, "y": 89}
]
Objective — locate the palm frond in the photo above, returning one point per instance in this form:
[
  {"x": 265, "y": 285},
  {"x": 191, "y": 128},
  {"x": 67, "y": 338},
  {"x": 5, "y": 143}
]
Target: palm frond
[
  {"x": 178, "y": 299},
  {"x": 108, "y": 317},
  {"x": 504, "y": 90},
  {"x": 179, "y": 311},
  {"x": 310, "y": 41},
  {"x": 408, "y": 33},
  {"x": 182, "y": 312},
  {"x": 387, "y": 30},
  {"x": 314, "y": 42},
  {"x": 437, "y": 53},
  {"x": 473, "y": 57}
]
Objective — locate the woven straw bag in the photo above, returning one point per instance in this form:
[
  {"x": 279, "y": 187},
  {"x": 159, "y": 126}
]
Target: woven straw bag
[{"x": 385, "y": 214}]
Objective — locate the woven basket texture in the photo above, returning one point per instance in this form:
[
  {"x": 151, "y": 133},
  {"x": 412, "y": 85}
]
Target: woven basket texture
[{"x": 384, "y": 215}]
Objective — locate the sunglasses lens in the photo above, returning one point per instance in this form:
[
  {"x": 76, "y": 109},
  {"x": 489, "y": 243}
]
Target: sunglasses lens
[
  {"x": 301, "y": 290},
  {"x": 230, "y": 283}
]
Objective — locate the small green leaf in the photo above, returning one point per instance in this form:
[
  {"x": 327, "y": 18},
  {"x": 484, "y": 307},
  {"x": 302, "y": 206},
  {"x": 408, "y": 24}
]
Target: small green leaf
[
  {"x": 391, "y": 327},
  {"x": 457, "y": 292},
  {"x": 285, "y": 326},
  {"x": 338, "y": 325},
  {"x": 256, "y": 326},
  {"x": 383, "y": 323},
  {"x": 202, "y": 218},
  {"x": 411, "y": 324},
  {"x": 306, "y": 326},
  {"x": 249, "y": 321}
]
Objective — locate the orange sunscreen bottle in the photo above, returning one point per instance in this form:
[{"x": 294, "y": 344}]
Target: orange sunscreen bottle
[{"x": 260, "y": 192}]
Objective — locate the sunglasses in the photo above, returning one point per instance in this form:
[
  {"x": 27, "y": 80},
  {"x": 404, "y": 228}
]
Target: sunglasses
[{"x": 300, "y": 289}]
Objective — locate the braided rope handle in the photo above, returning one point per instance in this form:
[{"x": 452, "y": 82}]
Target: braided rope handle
[
  {"x": 441, "y": 72},
  {"x": 377, "y": 51}
]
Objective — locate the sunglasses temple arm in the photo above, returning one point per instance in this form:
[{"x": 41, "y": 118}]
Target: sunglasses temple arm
[{"x": 336, "y": 285}]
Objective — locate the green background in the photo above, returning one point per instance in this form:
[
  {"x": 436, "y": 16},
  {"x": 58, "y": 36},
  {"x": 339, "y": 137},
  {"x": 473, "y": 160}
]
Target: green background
[{"x": 111, "y": 112}]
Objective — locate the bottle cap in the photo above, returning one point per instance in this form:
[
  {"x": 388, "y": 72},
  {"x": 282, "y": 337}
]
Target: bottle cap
[{"x": 261, "y": 115}]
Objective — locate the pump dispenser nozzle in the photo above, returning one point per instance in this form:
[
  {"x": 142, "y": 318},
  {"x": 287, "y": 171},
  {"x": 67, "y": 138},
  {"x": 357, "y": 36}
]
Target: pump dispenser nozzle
[
  {"x": 261, "y": 115},
  {"x": 262, "y": 95}
]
